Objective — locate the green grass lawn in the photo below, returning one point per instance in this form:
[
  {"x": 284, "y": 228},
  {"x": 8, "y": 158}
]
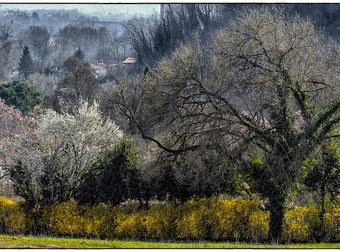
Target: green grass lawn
[{"x": 7, "y": 241}]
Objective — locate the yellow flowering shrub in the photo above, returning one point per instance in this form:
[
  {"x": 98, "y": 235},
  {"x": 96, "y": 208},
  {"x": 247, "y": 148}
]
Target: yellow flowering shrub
[
  {"x": 231, "y": 219},
  {"x": 98, "y": 220},
  {"x": 65, "y": 219},
  {"x": 12, "y": 216},
  {"x": 159, "y": 221},
  {"x": 258, "y": 225},
  {"x": 332, "y": 223},
  {"x": 313, "y": 221},
  {"x": 195, "y": 220},
  {"x": 296, "y": 227},
  {"x": 130, "y": 225}
]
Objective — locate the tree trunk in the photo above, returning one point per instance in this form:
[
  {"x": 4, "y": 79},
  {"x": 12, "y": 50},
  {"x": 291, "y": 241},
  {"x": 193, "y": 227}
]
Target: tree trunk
[
  {"x": 276, "y": 209},
  {"x": 320, "y": 230}
]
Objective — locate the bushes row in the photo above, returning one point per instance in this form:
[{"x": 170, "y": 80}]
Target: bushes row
[{"x": 211, "y": 219}]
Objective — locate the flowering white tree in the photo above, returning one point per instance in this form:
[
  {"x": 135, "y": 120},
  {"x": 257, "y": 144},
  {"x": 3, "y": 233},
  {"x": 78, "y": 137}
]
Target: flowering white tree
[{"x": 52, "y": 166}]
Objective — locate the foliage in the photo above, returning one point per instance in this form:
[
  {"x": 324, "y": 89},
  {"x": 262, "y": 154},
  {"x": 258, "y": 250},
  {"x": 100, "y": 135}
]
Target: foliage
[
  {"x": 332, "y": 222},
  {"x": 159, "y": 221},
  {"x": 12, "y": 216},
  {"x": 130, "y": 225},
  {"x": 324, "y": 175},
  {"x": 114, "y": 177},
  {"x": 234, "y": 219},
  {"x": 295, "y": 227},
  {"x": 21, "y": 95},
  {"x": 258, "y": 225},
  {"x": 99, "y": 219},
  {"x": 195, "y": 220},
  {"x": 13, "y": 127},
  {"x": 65, "y": 219}
]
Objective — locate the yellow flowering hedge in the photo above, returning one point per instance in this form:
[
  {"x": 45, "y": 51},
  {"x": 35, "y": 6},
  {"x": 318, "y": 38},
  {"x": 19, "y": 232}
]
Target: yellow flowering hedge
[{"x": 211, "y": 219}]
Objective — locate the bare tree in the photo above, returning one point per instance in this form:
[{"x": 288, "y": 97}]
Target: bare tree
[
  {"x": 38, "y": 39},
  {"x": 79, "y": 81},
  {"x": 5, "y": 32},
  {"x": 153, "y": 38}
]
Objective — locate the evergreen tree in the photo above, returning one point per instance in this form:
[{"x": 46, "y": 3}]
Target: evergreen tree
[
  {"x": 21, "y": 95},
  {"x": 26, "y": 64},
  {"x": 79, "y": 54}
]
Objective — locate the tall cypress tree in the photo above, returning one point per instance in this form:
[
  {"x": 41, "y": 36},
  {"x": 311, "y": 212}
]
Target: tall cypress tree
[{"x": 25, "y": 64}]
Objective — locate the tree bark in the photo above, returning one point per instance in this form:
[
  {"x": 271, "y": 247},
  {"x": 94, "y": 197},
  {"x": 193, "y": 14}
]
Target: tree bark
[
  {"x": 276, "y": 209},
  {"x": 321, "y": 233}
]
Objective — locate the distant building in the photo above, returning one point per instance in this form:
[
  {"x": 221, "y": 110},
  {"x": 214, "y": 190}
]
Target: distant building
[{"x": 130, "y": 60}]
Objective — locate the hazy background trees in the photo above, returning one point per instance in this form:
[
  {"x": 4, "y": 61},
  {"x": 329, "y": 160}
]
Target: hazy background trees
[{"x": 156, "y": 37}]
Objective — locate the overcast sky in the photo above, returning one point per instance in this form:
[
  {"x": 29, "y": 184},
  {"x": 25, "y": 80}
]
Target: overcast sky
[{"x": 96, "y": 9}]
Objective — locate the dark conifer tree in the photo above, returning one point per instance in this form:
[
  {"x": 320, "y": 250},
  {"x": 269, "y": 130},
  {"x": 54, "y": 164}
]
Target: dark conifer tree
[
  {"x": 25, "y": 64},
  {"x": 79, "y": 54}
]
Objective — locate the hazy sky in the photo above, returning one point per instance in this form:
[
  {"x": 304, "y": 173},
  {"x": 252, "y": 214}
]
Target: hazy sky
[{"x": 130, "y": 9}]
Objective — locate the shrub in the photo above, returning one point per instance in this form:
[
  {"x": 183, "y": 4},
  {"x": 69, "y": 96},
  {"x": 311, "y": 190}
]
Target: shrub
[
  {"x": 258, "y": 226},
  {"x": 332, "y": 223},
  {"x": 296, "y": 227},
  {"x": 159, "y": 221},
  {"x": 130, "y": 225},
  {"x": 99, "y": 220},
  {"x": 65, "y": 219},
  {"x": 12, "y": 216},
  {"x": 231, "y": 220},
  {"x": 21, "y": 95},
  {"x": 195, "y": 220}
]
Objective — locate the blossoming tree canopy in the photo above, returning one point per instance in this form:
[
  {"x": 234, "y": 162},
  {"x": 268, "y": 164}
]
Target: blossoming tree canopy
[{"x": 63, "y": 147}]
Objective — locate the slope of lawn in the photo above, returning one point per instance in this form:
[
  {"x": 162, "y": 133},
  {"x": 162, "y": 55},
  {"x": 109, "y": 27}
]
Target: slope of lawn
[{"x": 7, "y": 241}]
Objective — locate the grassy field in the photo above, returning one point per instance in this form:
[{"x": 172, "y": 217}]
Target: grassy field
[{"x": 7, "y": 241}]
